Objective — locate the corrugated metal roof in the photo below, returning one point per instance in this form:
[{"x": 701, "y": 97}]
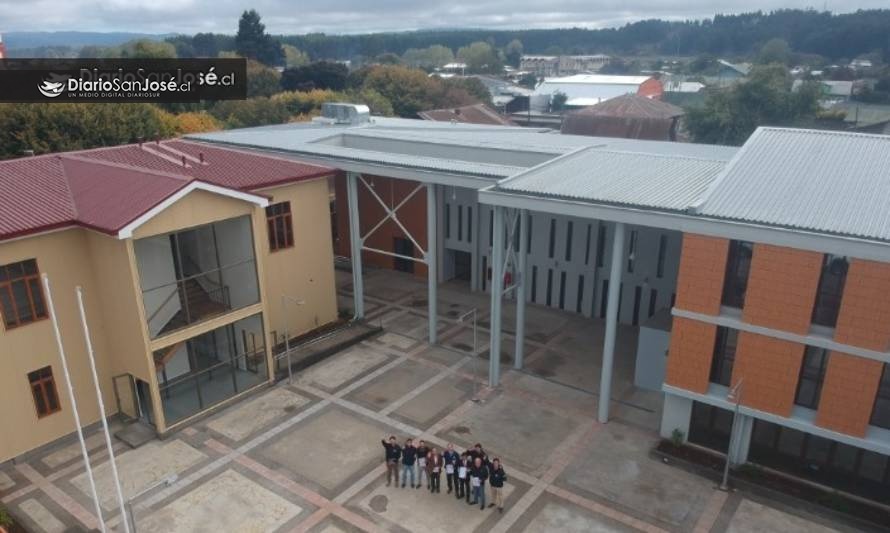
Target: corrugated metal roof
[
  {"x": 822, "y": 181},
  {"x": 623, "y": 178},
  {"x": 107, "y": 188}
]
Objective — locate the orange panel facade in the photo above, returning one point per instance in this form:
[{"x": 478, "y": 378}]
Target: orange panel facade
[
  {"x": 848, "y": 393},
  {"x": 782, "y": 288},
  {"x": 689, "y": 360},
  {"x": 702, "y": 269},
  {"x": 770, "y": 368},
  {"x": 851, "y": 382}
]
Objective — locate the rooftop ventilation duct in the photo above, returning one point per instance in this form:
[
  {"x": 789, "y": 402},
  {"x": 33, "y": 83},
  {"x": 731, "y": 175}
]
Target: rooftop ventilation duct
[{"x": 342, "y": 113}]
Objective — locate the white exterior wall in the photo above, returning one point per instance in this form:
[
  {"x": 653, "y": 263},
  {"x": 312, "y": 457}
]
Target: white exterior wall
[{"x": 581, "y": 262}]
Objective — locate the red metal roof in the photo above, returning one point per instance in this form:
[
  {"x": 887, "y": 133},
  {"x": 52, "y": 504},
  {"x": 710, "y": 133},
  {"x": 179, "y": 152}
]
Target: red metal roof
[{"x": 107, "y": 188}]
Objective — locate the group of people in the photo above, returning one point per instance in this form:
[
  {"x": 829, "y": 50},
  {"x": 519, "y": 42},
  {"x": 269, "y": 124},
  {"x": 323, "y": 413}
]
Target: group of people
[{"x": 466, "y": 473}]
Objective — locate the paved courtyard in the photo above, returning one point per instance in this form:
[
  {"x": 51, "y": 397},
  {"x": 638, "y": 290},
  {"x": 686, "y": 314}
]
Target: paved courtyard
[{"x": 307, "y": 456}]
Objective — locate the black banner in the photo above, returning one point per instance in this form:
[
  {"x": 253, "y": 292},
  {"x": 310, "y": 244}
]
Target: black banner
[{"x": 122, "y": 80}]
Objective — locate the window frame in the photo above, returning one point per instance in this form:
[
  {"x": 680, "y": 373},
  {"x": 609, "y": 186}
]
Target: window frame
[
  {"x": 43, "y": 383},
  {"x": 286, "y": 217},
  {"x": 821, "y": 292},
  {"x": 882, "y": 395},
  {"x": 30, "y": 278},
  {"x": 719, "y": 358},
  {"x": 818, "y": 379},
  {"x": 732, "y": 277}
]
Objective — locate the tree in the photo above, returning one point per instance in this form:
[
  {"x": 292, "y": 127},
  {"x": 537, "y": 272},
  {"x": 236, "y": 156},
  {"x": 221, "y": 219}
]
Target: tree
[
  {"x": 513, "y": 52},
  {"x": 774, "y": 51},
  {"x": 408, "y": 90},
  {"x": 480, "y": 58},
  {"x": 253, "y": 42},
  {"x": 147, "y": 49},
  {"x": 293, "y": 57},
  {"x": 262, "y": 80},
  {"x": 731, "y": 115},
  {"x": 388, "y": 58},
  {"x": 58, "y": 127},
  {"x": 474, "y": 88},
  {"x": 258, "y": 111},
  {"x": 431, "y": 57},
  {"x": 528, "y": 81},
  {"x": 558, "y": 101},
  {"x": 196, "y": 122},
  {"x": 318, "y": 75}
]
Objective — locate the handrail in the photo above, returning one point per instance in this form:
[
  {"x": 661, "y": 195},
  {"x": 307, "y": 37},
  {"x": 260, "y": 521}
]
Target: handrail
[
  {"x": 164, "y": 303},
  {"x": 193, "y": 375}
]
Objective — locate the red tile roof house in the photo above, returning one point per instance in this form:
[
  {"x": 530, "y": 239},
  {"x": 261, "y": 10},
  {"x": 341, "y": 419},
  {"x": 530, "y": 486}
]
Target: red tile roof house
[{"x": 176, "y": 245}]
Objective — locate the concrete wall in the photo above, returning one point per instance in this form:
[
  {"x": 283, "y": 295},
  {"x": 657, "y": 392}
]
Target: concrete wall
[
  {"x": 64, "y": 257},
  {"x": 305, "y": 271},
  {"x": 576, "y": 243},
  {"x": 652, "y": 349}
]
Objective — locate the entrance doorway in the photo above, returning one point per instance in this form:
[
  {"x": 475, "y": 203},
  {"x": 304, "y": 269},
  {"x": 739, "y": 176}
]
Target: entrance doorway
[
  {"x": 403, "y": 247},
  {"x": 462, "y": 268}
]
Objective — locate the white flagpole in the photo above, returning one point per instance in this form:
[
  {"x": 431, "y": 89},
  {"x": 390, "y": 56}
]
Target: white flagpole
[
  {"x": 117, "y": 480},
  {"x": 83, "y": 446}
]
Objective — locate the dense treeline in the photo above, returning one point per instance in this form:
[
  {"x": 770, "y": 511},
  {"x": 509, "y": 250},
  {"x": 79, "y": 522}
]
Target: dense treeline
[
  {"x": 833, "y": 36},
  {"x": 806, "y": 31}
]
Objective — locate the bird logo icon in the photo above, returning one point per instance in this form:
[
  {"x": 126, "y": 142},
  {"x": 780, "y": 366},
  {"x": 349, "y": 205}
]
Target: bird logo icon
[{"x": 53, "y": 86}]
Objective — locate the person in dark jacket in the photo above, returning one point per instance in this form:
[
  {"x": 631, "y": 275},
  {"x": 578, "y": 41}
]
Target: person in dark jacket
[
  {"x": 422, "y": 452},
  {"x": 476, "y": 452},
  {"x": 497, "y": 476},
  {"x": 434, "y": 465},
  {"x": 393, "y": 453},
  {"x": 478, "y": 476},
  {"x": 409, "y": 455},
  {"x": 450, "y": 458},
  {"x": 463, "y": 475}
]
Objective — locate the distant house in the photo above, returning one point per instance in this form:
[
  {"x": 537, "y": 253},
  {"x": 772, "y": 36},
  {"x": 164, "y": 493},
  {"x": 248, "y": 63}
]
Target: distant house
[
  {"x": 630, "y": 116},
  {"x": 468, "y": 114},
  {"x": 454, "y": 68},
  {"x": 545, "y": 66},
  {"x": 583, "y": 90},
  {"x": 861, "y": 63},
  {"x": 832, "y": 91},
  {"x": 729, "y": 73}
]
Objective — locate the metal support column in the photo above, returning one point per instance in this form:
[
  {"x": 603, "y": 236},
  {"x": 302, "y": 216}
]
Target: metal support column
[
  {"x": 355, "y": 244},
  {"x": 520, "y": 292},
  {"x": 497, "y": 290},
  {"x": 432, "y": 262},
  {"x": 611, "y": 323}
]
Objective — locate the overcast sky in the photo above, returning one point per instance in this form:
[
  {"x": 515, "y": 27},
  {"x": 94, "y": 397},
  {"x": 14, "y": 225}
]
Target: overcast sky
[{"x": 360, "y": 16}]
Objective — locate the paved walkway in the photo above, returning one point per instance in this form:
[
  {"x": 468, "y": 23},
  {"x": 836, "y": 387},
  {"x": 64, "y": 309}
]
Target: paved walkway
[{"x": 307, "y": 456}]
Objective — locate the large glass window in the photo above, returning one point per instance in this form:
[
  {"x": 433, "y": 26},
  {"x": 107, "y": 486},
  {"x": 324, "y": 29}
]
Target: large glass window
[
  {"x": 831, "y": 288},
  {"x": 21, "y": 294},
  {"x": 710, "y": 426},
  {"x": 198, "y": 373},
  {"x": 822, "y": 460},
  {"x": 738, "y": 266},
  {"x": 724, "y": 355},
  {"x": 196, "y": 274},
  {"x": 880, "y": 415},
  {"x": 812, "y": 374}
]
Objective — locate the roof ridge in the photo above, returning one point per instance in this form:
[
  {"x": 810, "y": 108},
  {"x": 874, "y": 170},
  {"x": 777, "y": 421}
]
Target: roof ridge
[
  {"x": 115, "y": 164},
  {"x": 67, "y": 184},
  {"x": 844, "y": 133},
  {"x": 662, "y": 156},
  {"x": 696, "y": 206}
]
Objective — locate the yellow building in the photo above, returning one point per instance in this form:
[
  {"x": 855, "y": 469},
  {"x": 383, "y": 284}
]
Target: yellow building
[{"x": 183, "y": 252}]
